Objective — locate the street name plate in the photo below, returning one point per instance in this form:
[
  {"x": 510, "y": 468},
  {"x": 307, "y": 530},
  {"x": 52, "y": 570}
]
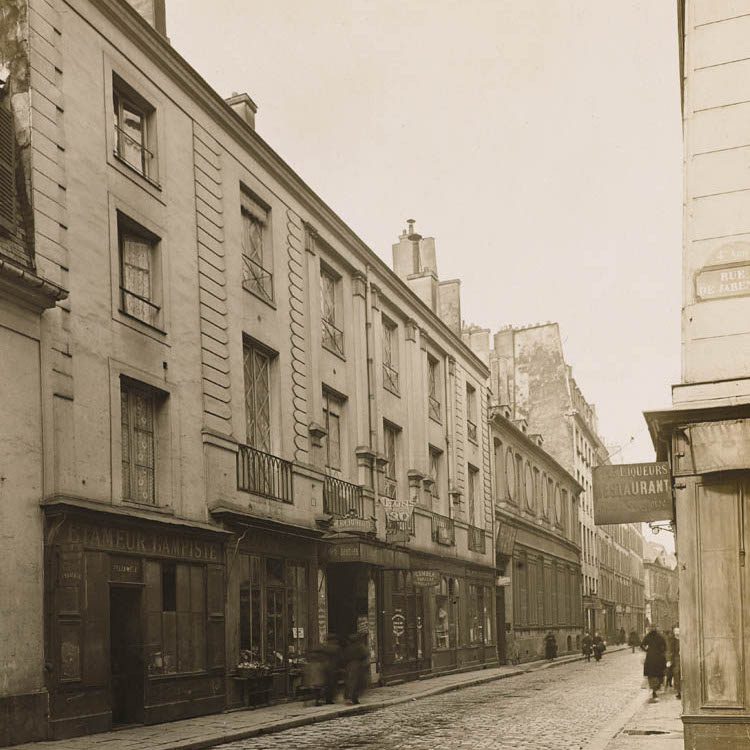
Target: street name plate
[{"x": 632, "y": 493}]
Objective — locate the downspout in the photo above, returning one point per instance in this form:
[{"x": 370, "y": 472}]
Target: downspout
[
  {"x": 448, "y": 433},
  {"x": 369, "y": 347}
]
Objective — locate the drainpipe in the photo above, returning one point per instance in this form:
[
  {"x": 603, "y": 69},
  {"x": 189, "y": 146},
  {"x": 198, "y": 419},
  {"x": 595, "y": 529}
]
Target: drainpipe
[
  {"x": 448, "y": 433},
  {"x": 369, "y": 347}
]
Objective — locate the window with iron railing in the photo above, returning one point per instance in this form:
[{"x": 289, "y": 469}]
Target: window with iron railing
[
  {"x": 139, "y": 286},
  {"x": 134, "y": 122},
  {"x": 477, "y": 542},
  {"x": 435, "y": 474},
  {"x": 264, "y": 474},
  {"x": 138, "y": 409},
  {"x": 471, "y": 413},
  {"x": 256, "y": 252},
  {"x": 433, "y": 389},
  {"x": 390, "y": 357},
  {"x": 332, "y": 411},
  {"x": 257, "y": 366},
  {"x": 443, "y": 530},
  {"x": 332, "y": 335}
]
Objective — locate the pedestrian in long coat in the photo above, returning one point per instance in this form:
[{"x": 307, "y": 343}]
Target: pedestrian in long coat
[
  {"x": 655, "y": 663},
  {"x": 550, "y": 646},
  {"x": 357, "y": 658},
  {"x": 673, "y": 659},
  {"x": 587, "y": 645},
  {"x": 634, "y": 640}
]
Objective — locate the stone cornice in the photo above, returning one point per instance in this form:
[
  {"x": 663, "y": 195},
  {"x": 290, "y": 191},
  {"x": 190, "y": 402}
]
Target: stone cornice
[
  {"x": 30, "y": 289},
  {"x": 156, "y": 47}
]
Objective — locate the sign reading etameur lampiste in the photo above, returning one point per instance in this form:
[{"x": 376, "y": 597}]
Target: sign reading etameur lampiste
[{"x": 632, "y": 493}]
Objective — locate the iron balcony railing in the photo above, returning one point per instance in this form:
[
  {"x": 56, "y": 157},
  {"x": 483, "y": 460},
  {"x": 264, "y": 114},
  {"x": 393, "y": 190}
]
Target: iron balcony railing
[
  {"x": 476, "y": 540},
  {"x": 343, "y": 499},
  {"x": 139, "y": 307},
  {"x": 135, "y": 154},
  {"x": 390, "y": 378},
  {"x": 393, "y": 526},
  {"x": 434, "y": 408},
  {"x": 471, "y": 430},
  {"x": 443, "y": 530},
  {"x": 257, "y": 279},
  {"x": 264, "y": 474},
  {"x": 333, "y": 337}
]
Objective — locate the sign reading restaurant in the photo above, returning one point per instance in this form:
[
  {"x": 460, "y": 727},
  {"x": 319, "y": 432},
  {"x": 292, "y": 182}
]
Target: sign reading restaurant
[{"x": 632, "y": 493}]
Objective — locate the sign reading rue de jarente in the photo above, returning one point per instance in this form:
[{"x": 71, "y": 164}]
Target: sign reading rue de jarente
[{"x": 631, "y": 493}]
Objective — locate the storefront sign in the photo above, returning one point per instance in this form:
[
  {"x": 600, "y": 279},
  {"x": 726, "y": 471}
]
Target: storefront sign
[
  {"x": 426, "y": 577},
  {"x": 720, "y": 446},
  {"x": 506, "y": 539},
  {"x": 353, "y": 525},
  {"x": 126, "y": 570},
  {"x": 144, "y": 542},
  {"x": 502, "y": 581},
  {"x": 632, "y": 493}
]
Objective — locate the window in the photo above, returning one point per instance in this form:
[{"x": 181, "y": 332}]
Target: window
[
  {"x": 139, "y": 290},
  {"x": 134, "y": 123},
  {"x": 471, "y": 413},
  {"x": 258, "y": 397},
  {"x": 256, "y": 251},
  {"x": 476, "y": 614},
  {"x": 7, "y": 171},
  {"x": 138, "y": 409},
  {"x": 435, "y": 459},
  {"x": 332, "y": 408},
  {"x": 390, "y": 445},
  {"x": 445, "y": 621},
  {"x": 473, "y": 475},
  {"x": 332, "y": 334},
  {"x": 390, "y": 356},
  {"x": 433, "y": 388},
  {"x": 168, "y": 587}
]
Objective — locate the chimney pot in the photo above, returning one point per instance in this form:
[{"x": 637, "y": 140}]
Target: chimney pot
[{"x": 244, "y": 106}]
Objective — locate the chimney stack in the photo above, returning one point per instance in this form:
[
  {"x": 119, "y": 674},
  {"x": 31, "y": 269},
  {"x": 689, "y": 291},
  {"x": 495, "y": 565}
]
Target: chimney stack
[
  {"x": 154, "y": 11},
  {"x": 244, "y": 106}
]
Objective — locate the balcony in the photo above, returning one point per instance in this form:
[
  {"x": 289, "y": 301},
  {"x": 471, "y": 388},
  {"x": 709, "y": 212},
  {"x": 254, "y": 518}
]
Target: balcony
[
  {"x": 433, "y": 408},
  {"x": 343, "y": 499},
  {"x": 477, "y": 542},
  {"x": 332, "y": 337},
  {"x": 390, "y": 379},
  {"x": 257, "y": 279},
  {"x": 264, "y": 474},
  {"x": 471, "y": 430},
  {"x": 443, "y": 530},
  {"x": 396, "y": 525}
]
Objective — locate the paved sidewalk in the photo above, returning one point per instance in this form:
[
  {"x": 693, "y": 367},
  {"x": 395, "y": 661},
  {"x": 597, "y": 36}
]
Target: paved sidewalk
[
  {"x": 644, "y": 725},
  {"x": 207, "y": 731}
]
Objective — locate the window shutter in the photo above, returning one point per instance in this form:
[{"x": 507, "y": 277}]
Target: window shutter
[{"x": 7, "y": 171}]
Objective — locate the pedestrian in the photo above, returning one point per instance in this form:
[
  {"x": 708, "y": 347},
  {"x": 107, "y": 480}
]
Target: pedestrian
[
  {"x": 315, "y": 673},
  {"x": 599, "y": 646},
  {"x": 634, "y": 640},
  {"x": 357, "y": 658},
  {"x": 621, "y": 638},
  {"x": 550, "y": 646},
  {"x": 673, "y": 659},
  {"x": 655, "y": 663},
  {"x": 331, "y": 667},
  {"x": 587, "y": 645}
]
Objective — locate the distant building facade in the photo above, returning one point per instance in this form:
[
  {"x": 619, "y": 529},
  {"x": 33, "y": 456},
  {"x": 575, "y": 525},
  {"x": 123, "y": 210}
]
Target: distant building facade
[
  {"x": 251, "y": 432},
  {"x": 662, "y": 587},
  {"x": 529, "y": 375}
]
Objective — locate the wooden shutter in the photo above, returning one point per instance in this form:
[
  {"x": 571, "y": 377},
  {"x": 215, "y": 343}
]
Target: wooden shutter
[
  {"x": 7, "y": 171},
  {"x": 96, "y": 659},
  {"x": 215, "y": 657}
]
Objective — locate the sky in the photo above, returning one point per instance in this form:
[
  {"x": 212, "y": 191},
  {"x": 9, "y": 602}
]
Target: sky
[{"x": 538, "y": 141}]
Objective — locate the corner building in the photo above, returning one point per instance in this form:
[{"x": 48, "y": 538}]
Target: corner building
[
  {"x": 704, "y": 435},
  {"x": 251, "y": 432}
]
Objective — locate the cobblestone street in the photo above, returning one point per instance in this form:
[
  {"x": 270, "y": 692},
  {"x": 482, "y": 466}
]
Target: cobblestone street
[{"x": 556, "y": 709}]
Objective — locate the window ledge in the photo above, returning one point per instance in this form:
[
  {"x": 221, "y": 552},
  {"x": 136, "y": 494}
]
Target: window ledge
[
  {"x": 142, "y": 322},
  {"x": 392, "y": 390},
  {"x": 270, "y": 302},
  {"x": 334, "y": 352},
  {"x": 166, "y": 510},
  {"x": 127, "y": 165}
]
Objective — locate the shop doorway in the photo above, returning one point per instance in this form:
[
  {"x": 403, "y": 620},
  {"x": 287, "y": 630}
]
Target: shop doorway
[
  {"x": 347, "y": 599},
  {"x": 502, "y": 649},
  {"x": 126, "y": 654}
]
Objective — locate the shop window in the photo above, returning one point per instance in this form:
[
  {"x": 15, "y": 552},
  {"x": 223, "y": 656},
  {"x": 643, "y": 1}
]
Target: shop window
[
  {"x": 445, "y": 615},
  {"x": 488, "y": 594},
  {"x": 476, "y": 614},
  {"x": 297, "y": 612},
  {"x": 140, "y": 272},
  {"x": 168, "y": 587},
  {"x": 330, "y": 314},
  {"x": 390, "y": 357},
  {"x": 257, "y": 275}
]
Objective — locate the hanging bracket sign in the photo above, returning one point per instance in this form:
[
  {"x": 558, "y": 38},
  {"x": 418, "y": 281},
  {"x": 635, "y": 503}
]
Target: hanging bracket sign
[{"x": 632, "y": 493}]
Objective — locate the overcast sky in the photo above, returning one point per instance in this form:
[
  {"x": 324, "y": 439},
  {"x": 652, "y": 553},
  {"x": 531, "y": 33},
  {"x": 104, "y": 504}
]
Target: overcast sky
[{"x": 538, "y": 141}]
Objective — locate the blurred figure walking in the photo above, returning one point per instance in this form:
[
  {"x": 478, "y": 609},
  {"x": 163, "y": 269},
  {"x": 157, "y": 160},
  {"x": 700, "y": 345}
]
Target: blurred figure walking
[
  {"x": 550, "y": 646},
  {"x": 634, "y": 640},
  {"x": 587, "y": 645},
  {"x": 656, "y": 661},
  {"x": 357, "y": 658},
  {"x": 673, "y": 660}
]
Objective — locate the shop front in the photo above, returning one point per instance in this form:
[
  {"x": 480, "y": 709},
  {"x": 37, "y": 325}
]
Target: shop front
[
  {"x": 438, "y": 617},
  {"x": 272, "y": 608},
  {"x": 134, "y": 618}
]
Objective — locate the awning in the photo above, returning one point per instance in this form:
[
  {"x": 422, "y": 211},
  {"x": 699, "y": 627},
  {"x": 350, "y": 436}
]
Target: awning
[{"x": 357, "y": 551}]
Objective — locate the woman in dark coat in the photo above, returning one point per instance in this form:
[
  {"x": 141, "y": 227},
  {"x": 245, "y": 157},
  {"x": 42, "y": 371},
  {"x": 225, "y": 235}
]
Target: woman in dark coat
[
  {"x": 655, "y": 663},
  {"x": 550, "y": 646}
]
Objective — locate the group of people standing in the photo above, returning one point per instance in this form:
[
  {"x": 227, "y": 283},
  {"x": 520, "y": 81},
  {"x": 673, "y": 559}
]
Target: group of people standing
[
  {"x": 662, "y": 660},
  {"x": 595, "y": 645},
  {"x": 332, "y": 662}
]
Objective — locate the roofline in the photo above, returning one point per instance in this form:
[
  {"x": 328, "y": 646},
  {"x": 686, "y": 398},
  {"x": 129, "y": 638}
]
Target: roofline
[{"x": 156, "y": 46}]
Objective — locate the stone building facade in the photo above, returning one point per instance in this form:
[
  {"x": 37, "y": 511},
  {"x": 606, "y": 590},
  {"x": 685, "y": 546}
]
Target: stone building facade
[
  {"x": 662, "y": 587},
  {"x": 529, "y": 376},
  {"x": 704, "y": 435},
  {"x": 241, "y": 430}
]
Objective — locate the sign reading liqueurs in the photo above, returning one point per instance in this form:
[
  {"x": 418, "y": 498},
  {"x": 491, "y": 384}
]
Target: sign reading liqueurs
[{"x": 632, "y": 493}]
